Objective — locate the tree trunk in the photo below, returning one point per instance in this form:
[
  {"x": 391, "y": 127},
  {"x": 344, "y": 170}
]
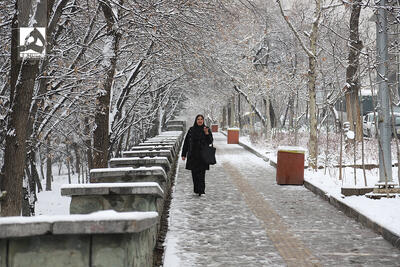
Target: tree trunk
[
  {"x": 68, "y": 163},
  {"x": 312, "y": 75},
  {"x": 233, "y": 110},
  {"x": 119, "y": 146},
  {"x": 25, "y": 191},
  {"x": 223, "y": 126},
  {"x": 88, "y": 143},
  {"x": 286, "y": 114},
  {"x": 312, "y": 60},
  {"x": 291, "y": 110},
  {"x": 22, "y": 81},
  {"x": 33, "y": 174},
  {"x": 48, "y": 166},
  {"x": 352, "y": 76},
  {"x": 229, "y": 108},
  {"x": 101, "y": 137},
  {"x": 313, "y": 148},
  {"x": 83, "y": 173},
  {"x": 77, "y": 161},
  {"x": 59, "y": 166},
  {"x": 23, "y": 74},
  {"x": 297, "y": 118},
  {"x": 41, "y": 165},
  {"x": 128, "y": 137},
  {"x": 267, "y": 115},
  {"x": 239, "y": 115},
  {"x": 15, "y": 147}
]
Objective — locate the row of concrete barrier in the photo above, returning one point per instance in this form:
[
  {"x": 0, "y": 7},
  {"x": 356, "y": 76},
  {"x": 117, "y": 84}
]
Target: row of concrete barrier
[{"x": 113, "y": 221}]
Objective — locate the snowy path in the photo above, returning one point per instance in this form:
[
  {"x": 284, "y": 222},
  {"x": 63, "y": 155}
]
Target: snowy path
[{"x": 246, "y": 219}]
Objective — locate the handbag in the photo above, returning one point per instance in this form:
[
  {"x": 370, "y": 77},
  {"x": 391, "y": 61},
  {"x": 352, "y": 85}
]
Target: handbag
[{"x": 208, "y": 154}]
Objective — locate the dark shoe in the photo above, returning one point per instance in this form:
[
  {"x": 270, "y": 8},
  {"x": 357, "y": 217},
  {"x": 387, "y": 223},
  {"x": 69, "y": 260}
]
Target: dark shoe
[{"x": 199, "y": 194}]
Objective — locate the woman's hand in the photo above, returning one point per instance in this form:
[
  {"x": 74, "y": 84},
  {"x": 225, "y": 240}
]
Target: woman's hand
[{"x": 205, "y": 130}]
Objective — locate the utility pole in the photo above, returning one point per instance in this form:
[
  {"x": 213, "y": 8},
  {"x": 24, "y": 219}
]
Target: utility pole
[{"x": 385, "y": 157}]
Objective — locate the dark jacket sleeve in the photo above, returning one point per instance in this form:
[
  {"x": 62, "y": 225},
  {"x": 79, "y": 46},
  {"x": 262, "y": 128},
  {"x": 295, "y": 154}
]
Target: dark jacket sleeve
[
  {"x": 186, "y": 144},
  {"x": 209, "y": 137}
]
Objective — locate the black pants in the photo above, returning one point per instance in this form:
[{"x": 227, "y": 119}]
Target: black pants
[{"x": 199, "y": 184}]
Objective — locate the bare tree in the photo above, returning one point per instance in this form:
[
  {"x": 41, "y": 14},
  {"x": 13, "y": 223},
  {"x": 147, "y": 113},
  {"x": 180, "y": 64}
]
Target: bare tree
[
  {"x": 311, "y": 51},
  {"x": 352, "y": 73}
]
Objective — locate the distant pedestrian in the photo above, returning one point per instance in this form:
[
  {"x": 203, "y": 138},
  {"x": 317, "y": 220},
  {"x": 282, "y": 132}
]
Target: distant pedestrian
[{"x": 197, "y": 137}]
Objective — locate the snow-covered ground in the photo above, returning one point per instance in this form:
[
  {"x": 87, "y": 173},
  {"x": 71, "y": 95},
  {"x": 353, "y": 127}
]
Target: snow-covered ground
[{"x": 51, "y": 202}]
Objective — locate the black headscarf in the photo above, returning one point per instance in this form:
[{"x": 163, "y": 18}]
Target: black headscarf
[{"x": 198, "y": 131}]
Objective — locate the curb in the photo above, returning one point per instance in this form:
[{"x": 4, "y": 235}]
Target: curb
[{"x": 393, "y": 238}]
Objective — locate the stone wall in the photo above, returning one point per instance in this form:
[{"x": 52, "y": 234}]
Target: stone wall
[
  {"x": 79, "y": 240},
  {"x": 114, "y": 221}
]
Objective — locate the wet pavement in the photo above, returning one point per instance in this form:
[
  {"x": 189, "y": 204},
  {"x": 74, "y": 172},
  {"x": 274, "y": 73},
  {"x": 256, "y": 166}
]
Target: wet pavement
[{"x": 246, "y": 219}]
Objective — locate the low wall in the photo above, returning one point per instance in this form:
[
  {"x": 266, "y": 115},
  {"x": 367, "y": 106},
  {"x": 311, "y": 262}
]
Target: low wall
[
  {"x": 121, "y": 197},
  {"x": 137, "y": 162},
  {"x": 100, "y": 239},
  {"x": 148, "y": 153},
  {"x": 125, "y": 232}
]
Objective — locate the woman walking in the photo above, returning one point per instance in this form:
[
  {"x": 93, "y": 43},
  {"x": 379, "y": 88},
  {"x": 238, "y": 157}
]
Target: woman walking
[{"x": 197, "y": 137}]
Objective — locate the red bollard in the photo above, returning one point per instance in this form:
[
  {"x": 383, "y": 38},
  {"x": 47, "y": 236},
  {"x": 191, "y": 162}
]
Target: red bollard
[
  {"x": 290, "y": 165},
  {"x": 233, "y": 135}
]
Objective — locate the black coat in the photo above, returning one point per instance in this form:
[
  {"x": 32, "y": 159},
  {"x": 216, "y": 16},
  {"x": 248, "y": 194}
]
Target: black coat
[{"x": 196, "y": 139}]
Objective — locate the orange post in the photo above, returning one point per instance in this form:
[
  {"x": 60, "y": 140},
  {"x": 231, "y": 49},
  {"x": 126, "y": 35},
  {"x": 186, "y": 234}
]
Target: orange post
[
  {"x": 214, "y": 128},
  {"x": 233, "y": 135},
  {"x": 290, "y": 165}
]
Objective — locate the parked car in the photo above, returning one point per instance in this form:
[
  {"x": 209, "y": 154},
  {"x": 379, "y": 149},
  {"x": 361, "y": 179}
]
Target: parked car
[{"x": 369, "y": 125}]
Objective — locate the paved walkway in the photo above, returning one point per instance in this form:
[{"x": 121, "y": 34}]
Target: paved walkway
[{"x": 246, "y": 219}]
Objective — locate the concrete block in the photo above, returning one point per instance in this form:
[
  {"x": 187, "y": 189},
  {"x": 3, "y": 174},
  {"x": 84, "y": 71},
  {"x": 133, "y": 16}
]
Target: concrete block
[
  {"x": 78, "y": 190},
  {"x": 152, "y": 147},
  {"x": 123, "y": 222},
  {"x": 148, "y": 153},
  {"x": 49, "y": 250},
  {"x": 3, "y": 252},
  {"x": 145, "y": 188},
  {"x": 128, "y": 174},
  {"x": 85, "y": 204},
  {"x": 171, "y": 148},
  {"x": 136, "y": 162},
  {"x": 160, "y": 141},
  {"x": 10, "y": 228},
  {"x": 120, "y": 203},
  {"x": 111, "y": 250},
  {"x": 175, "y": 144},
  {"x": 176, "y": 122},
  {"x": 72, "y": 240},
  {"x": 175, "y": 128},
  {"x": 139, "y": 244},
  {"x": 134, "y": 250}
]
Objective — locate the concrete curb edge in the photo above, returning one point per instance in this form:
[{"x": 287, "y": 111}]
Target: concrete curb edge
[{"x": 393, "y": 238}]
